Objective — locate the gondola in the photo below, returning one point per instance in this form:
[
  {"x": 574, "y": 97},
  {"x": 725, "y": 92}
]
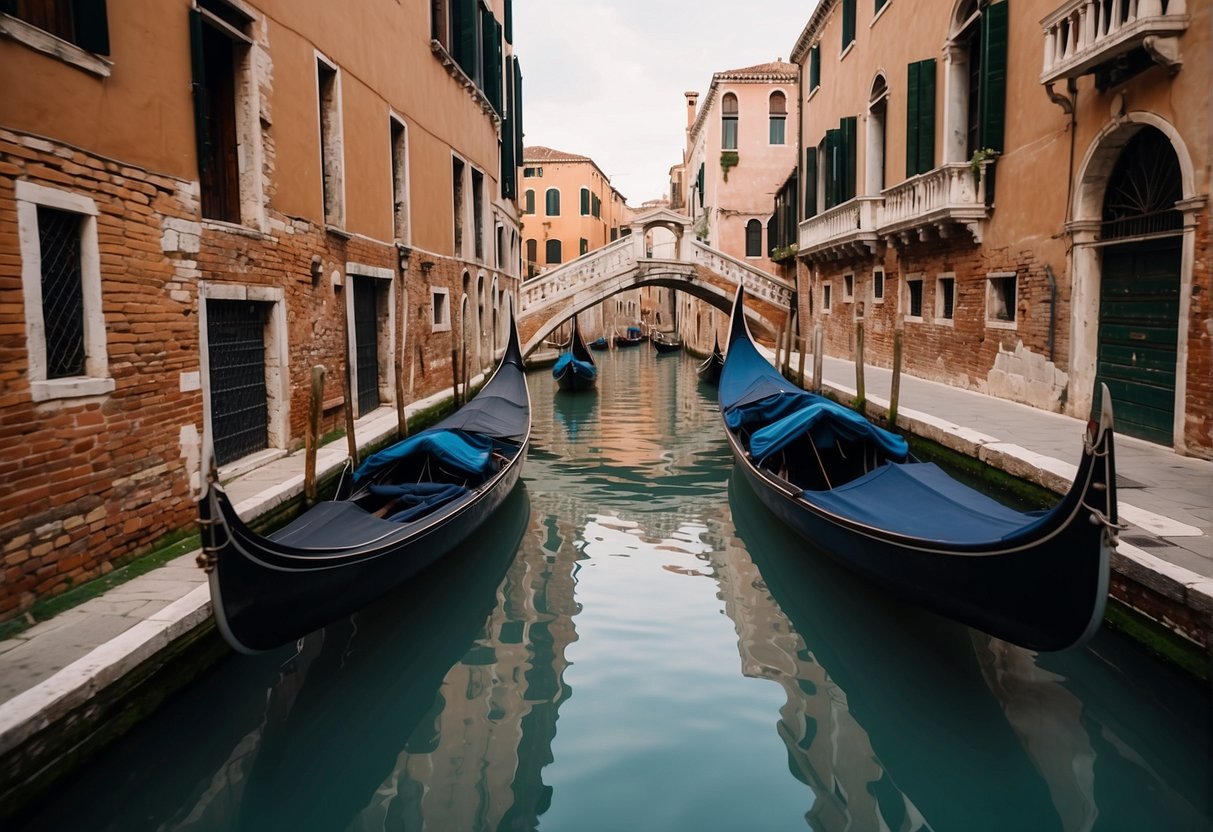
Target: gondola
[
  {"x": 402, "y": 509},
  {"x": 709, "y": 370},
  {"x": 666, "y": 342},
  {"x": 575, "y": 370},
  {"x": 600, "y": 343},
  {"x": 1036, "y": 579},
  {"x": 633, "y": 338}
]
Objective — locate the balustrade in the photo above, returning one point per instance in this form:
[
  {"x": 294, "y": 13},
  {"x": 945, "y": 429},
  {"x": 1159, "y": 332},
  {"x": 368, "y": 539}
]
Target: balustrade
[{"x": 1082, "y": 34}]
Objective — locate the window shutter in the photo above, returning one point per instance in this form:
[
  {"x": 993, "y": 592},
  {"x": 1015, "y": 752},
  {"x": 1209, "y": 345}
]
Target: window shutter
[
  {"x": 463, "y": 34},
  {"x": 815, "y": 67},
  {"x": 993, "y": 75},
  {"x": 92, "y": 27},
  {"x": 926, "y": 115},
  {"x": 912, "y": 119},
  {"x": 509, "y": 21},
  {"x": 700, "y": 184},
  {"x": 848, "y": 22},
  {"x": 585, "y": 202},
  {"x": 198, "y": 69},
  {"x": 810, "y": 182},
  {"x": 509, "y": 162},
  {"x": 850, "y": 146},
  {"x": 517, "y": 110}
]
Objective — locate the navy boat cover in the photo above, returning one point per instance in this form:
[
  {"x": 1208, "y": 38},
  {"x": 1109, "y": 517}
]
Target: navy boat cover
[
  {"x": 463, "y": 453},
  {"x": 584, "y": 368}
]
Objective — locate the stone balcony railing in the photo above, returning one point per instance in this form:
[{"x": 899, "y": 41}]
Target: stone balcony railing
[
  {"x": 1080, "y": 35},
  {"x": 935, "y": 201},
  {"x": 845, "y": 227}
]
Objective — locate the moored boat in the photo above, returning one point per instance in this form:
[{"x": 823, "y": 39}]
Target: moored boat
[
  {"x": 666, "y": 342},
  {"x": 709, "y": 370},
  {"x": 600, "y": 343},
  {"x": 402, "y": 509},
  {"x": 1037, "y": 579},
  {"x": 633, "y": 338},
  {"x": 575, "y": 369}
]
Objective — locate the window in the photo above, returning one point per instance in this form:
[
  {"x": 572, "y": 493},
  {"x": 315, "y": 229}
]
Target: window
[
  {"x": 810, "y": 182},
  {"x": 400, "y": 180},
  {"x": 61, "y": 279},
  {"x": 583, "y": 246},
  {"x": 815, "y": 67},
  {"x": 840, "y": 152},
  {"x": 945, "y": 298},
  {"x": 827, "y": 296},
  {"x": 478, "y": 218},
  {"x": 532, "y": 257},
  {"x": 528, "y": 173},
  {"x": 331, "y": 152},
  {"x": 1001, "y": 299},
  {"x": 552, "y": 202},
  {"x": 779, "y": 114},
  {"x": 457, "y": 187},
  {"x": 585, "y": 202},
  {"x": 753, "y": 239},
  {"x": 912, "y": 300},
  {"x": 920, "y": 117},
  {"x": 977, "y": 80},
  {"x": 529, "y": 207},
  {"x": 552, "y": 252},
  {"x": 596, "y": 206},
  {"x": 440, "y": 306},
  {"x": 848, "y": 23},
  {"x": 878, "y": 286},
  {"x": 848, "y": 288},
  {"x": 878, "y": 101},
  {"x": 81, "y": 23},
  {"x": 728, "y": 122}
]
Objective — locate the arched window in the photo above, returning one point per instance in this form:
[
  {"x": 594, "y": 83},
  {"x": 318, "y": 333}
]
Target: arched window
[
  {"x": 529, "y": 205},
  {"x": 552, "y": 202},
  {"x": 779, "y": 115},
  {"x": 532, "y": 257},
  {"x": 878, "y": 102},
  {"x": 976, "y": 81},
  {"x": 728, "y": 122},
  {"x": 553, "y": 252},
  {"x": 753, "y": 239}
]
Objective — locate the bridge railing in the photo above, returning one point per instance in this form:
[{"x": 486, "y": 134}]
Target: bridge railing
[
  {"x": 588, "y": 268},
  {"x": 757, "y": 282}
]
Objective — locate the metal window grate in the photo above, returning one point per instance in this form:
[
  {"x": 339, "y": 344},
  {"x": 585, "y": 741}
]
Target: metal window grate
[
  {"x": 366, "y": 344},
  {"x": 62, "y": 293},
  {"x": 236, "y": 348}
]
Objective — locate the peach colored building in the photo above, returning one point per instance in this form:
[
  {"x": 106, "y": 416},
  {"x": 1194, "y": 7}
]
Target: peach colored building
[
  {"x": 1021, "y": 188},
  {"x": 198, "y": 201}
]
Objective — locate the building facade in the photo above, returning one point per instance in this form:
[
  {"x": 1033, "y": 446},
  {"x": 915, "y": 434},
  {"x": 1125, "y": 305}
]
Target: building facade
[
  {"x": 1020, "y": 188},
  {"x": 200, "y": 201}
]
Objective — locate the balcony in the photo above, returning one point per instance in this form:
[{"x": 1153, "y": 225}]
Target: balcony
[
  {"x": 1082, "y": 35},
  {"x": 937, "y": 201},
  {"x": 842, "y": 230}
]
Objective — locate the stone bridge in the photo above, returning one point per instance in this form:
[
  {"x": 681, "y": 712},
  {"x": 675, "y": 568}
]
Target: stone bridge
[{"x": 550, "y": 299}]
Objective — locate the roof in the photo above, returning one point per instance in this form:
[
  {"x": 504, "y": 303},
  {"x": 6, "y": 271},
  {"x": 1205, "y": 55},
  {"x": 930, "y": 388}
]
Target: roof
[
  {"x": 777, "y": 71},
  {"x": 539, "y": 153},
  {"x": 809, "y": 34}
]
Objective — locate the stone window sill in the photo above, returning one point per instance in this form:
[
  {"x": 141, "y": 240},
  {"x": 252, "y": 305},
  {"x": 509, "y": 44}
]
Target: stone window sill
[{"x": 48, "y": 44}]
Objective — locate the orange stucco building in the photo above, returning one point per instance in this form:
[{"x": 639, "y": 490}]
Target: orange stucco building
[{"x": 199, "y": 201}]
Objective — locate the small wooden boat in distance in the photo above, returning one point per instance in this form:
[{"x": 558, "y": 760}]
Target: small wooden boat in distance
[
  {"x": 709, "y": 370},
  {"x": 632, "y": 339},
  {"x": 1036, "y": 579},
  {"x": 405, "y": 507},
  {"x": 575, "y": 370},
  {"x": 666, "y": 342},
  {"x": 600, "y": 343}
]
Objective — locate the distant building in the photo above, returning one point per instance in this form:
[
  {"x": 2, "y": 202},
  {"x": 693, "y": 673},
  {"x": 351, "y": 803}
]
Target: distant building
[
  {"x": 198, "y": 200},
  {"x": 1022, "y": 188}
]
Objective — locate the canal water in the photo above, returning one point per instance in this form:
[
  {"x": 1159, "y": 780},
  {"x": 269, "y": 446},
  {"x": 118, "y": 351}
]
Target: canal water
[{"x": 634, "y": 643}]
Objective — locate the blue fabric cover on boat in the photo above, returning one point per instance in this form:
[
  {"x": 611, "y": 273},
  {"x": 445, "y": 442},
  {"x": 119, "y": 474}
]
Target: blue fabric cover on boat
[
  {"x": 826, "y": 422},
  {"x": 581, "y": 368},
  {"x": 414, "y": 499},
  {"x": 466, "y": 454},
  {"x": 920, "y": 500}
]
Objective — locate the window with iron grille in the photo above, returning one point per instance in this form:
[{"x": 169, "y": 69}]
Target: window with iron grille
[
  {"x": 913, "y": 298},
  {"x": 239, "y": 401},
  {"x": 945, "y": 298},
  {"x": 366, "y": 342},
  {"x": 62, "y": 293}
]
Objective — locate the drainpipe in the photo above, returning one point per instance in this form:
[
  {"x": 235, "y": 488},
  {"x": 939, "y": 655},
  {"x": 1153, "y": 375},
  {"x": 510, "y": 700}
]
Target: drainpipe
[{"x": 1052, "y": 307}]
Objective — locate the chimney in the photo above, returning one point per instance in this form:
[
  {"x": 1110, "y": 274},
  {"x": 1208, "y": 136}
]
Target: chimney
[{"x": 692, "y": 99}]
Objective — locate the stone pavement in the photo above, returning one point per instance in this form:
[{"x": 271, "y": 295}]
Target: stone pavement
[{"x": 55, "y": 667}]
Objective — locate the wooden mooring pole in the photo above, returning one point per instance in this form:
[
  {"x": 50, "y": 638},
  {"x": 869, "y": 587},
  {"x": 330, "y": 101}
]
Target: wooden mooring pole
[
  {"x": 818, "y": 345},
  {"x": 803, "y": 349},
  {"x": 860, "y": 397},
  {"x": 311, "y": 439},
  {"x": 455, "y": 375},
  {"x": 351, "y": 441},
  {"x": 895, "y": 389}
]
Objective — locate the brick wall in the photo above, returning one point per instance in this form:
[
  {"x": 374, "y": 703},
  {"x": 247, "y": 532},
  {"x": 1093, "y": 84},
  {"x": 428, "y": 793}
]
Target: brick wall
[{"x": 1198, "y": 419}]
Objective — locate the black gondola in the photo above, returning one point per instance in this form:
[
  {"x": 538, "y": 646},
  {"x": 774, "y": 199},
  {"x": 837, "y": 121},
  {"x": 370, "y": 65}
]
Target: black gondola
[
  {"x": 403, "y": 508},
  {"x": 1037, "y": 579},
  {"x": 666, "y": 342},
  {"x": 632, "y": 339},
  {"x": 575, "y": 370},
  {"x": 709, "y": 370},
  {"x": 600, "y": 343}
]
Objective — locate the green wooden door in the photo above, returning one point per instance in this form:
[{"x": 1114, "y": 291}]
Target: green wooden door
[{"x": 1138, "y": 334}]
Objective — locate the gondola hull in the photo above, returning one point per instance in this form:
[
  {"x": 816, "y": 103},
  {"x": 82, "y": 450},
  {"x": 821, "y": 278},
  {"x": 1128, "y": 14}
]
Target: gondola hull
[
  {"x": 1042, "y": 585},
  {"x": 575, "y": 370},
  {"x": 709, "y": 370},
  {"x": 340, "y": 554},
  {"x": 666, "y": 347},
  {"x": 574, "y": 378}
]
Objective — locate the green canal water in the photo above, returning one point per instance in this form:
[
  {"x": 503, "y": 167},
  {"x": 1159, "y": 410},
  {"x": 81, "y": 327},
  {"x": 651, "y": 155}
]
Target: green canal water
[{"x": 634, "y": 643}]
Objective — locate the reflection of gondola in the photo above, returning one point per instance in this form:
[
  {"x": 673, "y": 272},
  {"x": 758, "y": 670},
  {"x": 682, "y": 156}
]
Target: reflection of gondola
[
  {"x": 709, "y": 370},
  {"x": 407, "y": 506},
  {"x": 575, "y": 370},
  {"x": 373, "y": 686},
  {"x": 1039, "y": 580},
  {"x": 666, "y": 342},
  {"x": 912, "y": 683}
]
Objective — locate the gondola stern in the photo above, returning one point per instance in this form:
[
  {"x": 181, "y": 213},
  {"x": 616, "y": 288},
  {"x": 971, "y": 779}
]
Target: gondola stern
[{"x": 737, "y": 325}]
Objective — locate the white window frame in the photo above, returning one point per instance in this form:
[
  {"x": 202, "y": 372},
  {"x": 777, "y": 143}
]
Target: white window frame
[
  {"x": 992, "y": 321},
  {"x": 460, "y": 225},
  {"x": 905, "y": 297},
  {"x": 402, "y": 221},
  {"x": 848, "y": 287},
  {"x": 939, "y": 305},
  {"x": 42, "y": 41},
  {"x": 440, "y": 323},
  {"x": 334, "y": 217},
  {"x": 827, "y": 296},
  {"x": 96, "y": 380},
  {"x": 883, "y": 281}
]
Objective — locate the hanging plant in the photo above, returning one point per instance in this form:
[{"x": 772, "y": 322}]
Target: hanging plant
[
  {"x": 728, "y": 161},
  {"x": 979, "y": 157}
]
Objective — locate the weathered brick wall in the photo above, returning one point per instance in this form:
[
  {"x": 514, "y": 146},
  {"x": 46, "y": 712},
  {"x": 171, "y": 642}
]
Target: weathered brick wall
[
  {"x": 1198, "y": 420},
  {"x": 87, "y": 483}
]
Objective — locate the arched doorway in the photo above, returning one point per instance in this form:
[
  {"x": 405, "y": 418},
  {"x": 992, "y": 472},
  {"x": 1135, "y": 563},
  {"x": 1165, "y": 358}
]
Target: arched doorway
[{"x": 1141, "y": 232}]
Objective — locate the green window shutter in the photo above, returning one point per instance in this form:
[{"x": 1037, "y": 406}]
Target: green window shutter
[
  {"x": 517, "y": 110},
  {"x": 926, "y": 115},
  {"x": 848, "y": 22},
  {"x": 815, "y": 67},
  {"x": 530, "y": 202},
  {"x": 198, "y": 86},
  {"x": 700, "y": 184},
  {"x": 585, "y": 202},
  {"x": 810, "y": 182},
  {"x": 583, "y": 246},
  {"x": 92, "y": 27},
  {"x": 833, "y": 168},
  {"x": 912, "y": 119},
  {"x": 509, "y": 21},
  {"x": 463, "y": 35},
  {"x": 552, "y": 202},
  {"x": 848, "y": 127},
  {"x": 993, "y": 75}
]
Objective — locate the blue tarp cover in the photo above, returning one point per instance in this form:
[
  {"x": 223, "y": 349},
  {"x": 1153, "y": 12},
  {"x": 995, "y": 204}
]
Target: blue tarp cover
[
  {"x": 581, "y": 368},
  {"x": 920, "y": 500},
  {"x": 465, "y": 453},
  {"x": 415, "y": 499},
  {"x": 826, "y": 422}
]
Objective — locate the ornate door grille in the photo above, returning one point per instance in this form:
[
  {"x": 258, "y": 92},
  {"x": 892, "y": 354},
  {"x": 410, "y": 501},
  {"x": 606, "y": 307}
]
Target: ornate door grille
[
  {"x": 1142, "y": 191},
  {"x": 239, "y": 409}
]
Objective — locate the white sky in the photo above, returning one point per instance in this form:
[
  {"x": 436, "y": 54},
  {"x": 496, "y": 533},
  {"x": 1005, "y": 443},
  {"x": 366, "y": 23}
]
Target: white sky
[{"x": 606, "y": 79}]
